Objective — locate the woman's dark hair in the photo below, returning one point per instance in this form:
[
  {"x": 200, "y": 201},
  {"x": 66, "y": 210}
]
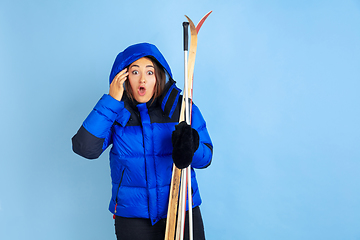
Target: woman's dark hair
[{"x": 160, "y": 80}]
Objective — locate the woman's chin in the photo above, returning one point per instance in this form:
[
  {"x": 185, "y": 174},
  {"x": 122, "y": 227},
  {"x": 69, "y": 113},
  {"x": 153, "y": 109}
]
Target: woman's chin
[{"x": 142, "y": 99}]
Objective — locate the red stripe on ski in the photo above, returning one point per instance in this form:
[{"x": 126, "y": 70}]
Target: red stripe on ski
[{"x": 200, "y": 23}]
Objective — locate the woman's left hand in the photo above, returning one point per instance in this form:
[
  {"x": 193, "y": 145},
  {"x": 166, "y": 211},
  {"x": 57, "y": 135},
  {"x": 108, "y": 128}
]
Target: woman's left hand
[{"x": 185, "y": 140}]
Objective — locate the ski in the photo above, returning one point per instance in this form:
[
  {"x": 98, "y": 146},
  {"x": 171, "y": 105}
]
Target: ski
[
  {"x": 176, "y": 173},
  {"x": 185, "y": 115},
  {"x": 185, "y": 179},
  {"x": 180, "y": 225}
]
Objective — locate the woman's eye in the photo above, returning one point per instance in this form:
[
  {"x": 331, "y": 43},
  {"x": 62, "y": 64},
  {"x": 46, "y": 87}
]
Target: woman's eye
[
  {"x": 135, "y": 72},
  {"x": 150, "y": 72}
]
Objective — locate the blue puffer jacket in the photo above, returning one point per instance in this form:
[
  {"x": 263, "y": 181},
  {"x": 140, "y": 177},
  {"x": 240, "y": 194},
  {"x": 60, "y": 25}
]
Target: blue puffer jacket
[{"x": 140, "y": 135}]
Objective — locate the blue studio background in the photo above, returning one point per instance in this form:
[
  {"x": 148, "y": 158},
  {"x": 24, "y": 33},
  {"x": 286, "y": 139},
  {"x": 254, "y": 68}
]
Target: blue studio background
[{"x": 277, "y": 81}]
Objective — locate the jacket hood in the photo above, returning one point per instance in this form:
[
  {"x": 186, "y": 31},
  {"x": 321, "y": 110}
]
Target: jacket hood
[{"x": 135, "y": 52}]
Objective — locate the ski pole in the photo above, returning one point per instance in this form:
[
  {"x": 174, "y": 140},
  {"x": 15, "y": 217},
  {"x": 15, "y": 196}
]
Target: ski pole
[
  {"x": 182, "y": 200},
  {"x": 188, "y": 121}
]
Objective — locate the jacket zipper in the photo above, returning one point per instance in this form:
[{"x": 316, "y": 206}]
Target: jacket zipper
[{"x": 116, "y": 198}]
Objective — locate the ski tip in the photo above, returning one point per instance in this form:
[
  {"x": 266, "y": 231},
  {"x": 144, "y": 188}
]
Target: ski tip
[
  {"x": 192, "y": 26},
  {"x": 200, "y": 23}
]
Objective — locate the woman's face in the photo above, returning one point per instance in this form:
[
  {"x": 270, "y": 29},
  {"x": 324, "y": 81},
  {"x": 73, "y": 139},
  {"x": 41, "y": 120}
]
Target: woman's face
[{"x": 142, "y": 79}]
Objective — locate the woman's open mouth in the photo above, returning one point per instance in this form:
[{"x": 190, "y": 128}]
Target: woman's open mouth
[{"x": 141, "y": 91}]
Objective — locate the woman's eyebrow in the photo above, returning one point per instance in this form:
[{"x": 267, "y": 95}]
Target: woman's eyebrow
[{"x": 139, "y": 66}]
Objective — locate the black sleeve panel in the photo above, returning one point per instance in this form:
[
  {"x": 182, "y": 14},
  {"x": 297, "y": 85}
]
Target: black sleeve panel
[{"x": 87, "y": 145}]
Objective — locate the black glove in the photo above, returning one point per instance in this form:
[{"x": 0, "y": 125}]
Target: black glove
[{"x": 185, "y": 142}]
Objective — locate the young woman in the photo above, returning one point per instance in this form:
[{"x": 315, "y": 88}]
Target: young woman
[{"x": 140, "y": 121}]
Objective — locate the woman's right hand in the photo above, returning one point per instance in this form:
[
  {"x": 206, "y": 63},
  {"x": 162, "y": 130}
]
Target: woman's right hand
[{"x": 117, "y": 85}]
